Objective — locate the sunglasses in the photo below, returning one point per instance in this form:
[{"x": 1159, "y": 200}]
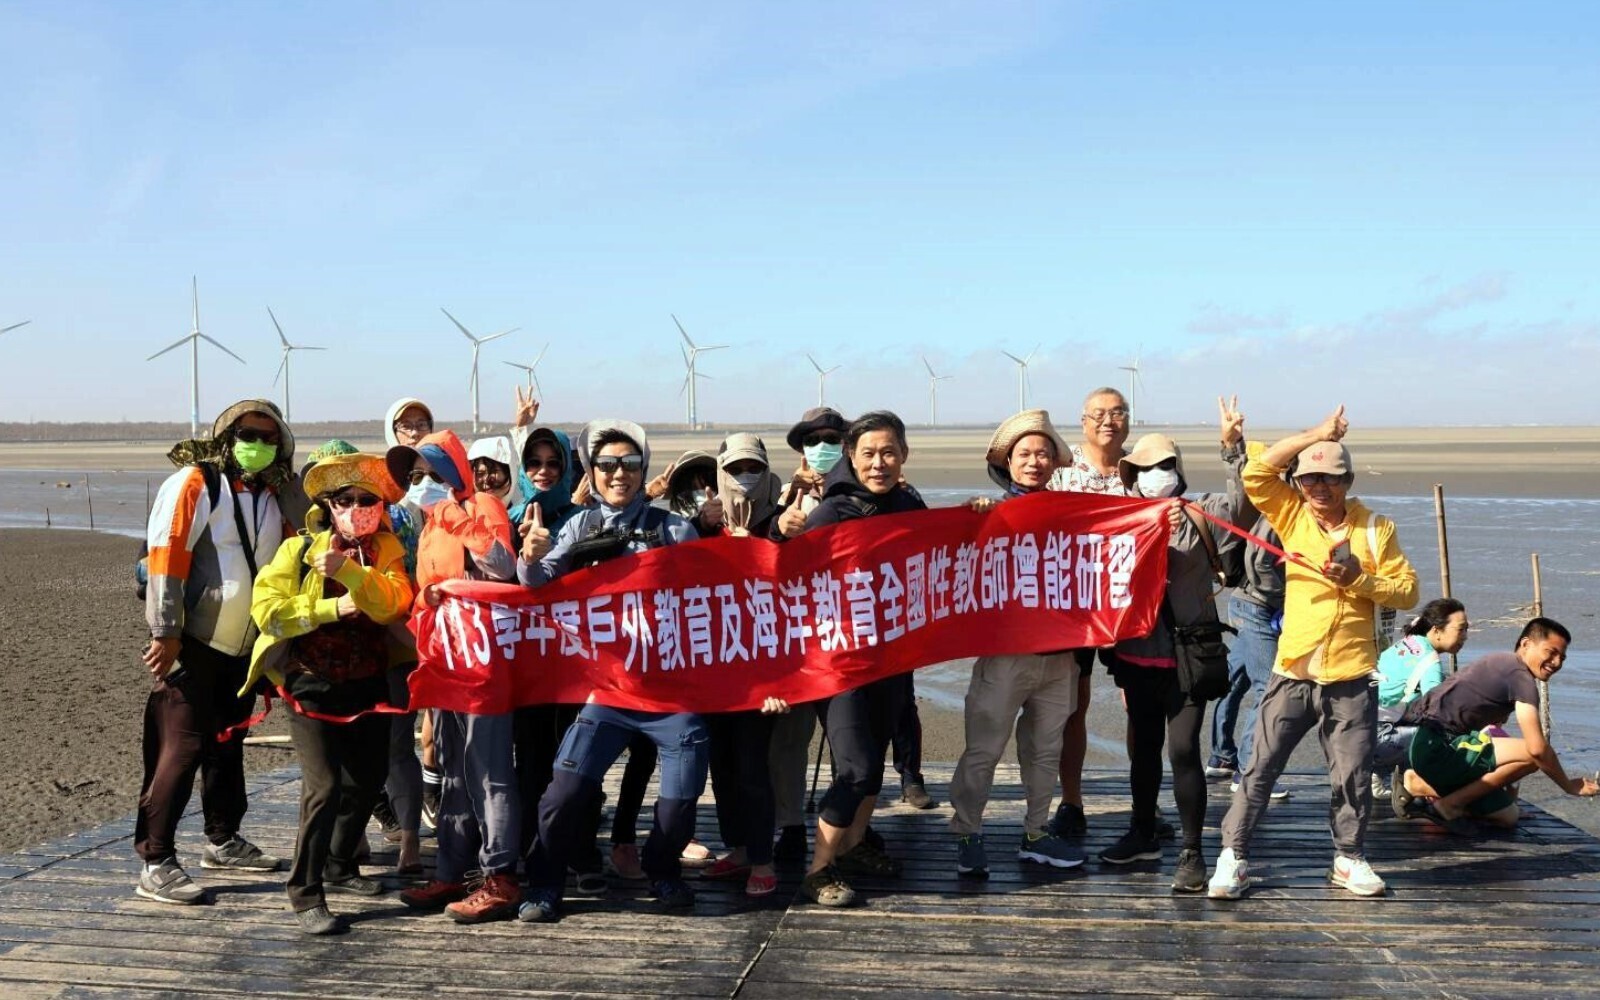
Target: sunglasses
[
  {"x": 249, "y": 435},
  {"x": 822, "y": 437},
  {"x": 416, "y": 477},
  {"x": 534, "y": 465},
  {"x": 492, "y": 472},
  {"x": 609, "y": 464},
  {"x": 1319, "y": 479},
  {"x": 344, "y": 501}
]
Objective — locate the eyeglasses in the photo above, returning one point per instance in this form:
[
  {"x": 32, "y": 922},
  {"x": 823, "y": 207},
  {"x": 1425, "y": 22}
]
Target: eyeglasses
[
  {"x": 249, "y": 435},
  {"x": 821, "y": 437},
  {"x": 417, "y": 476},
  {"x": 492, "y": 472},
  {"x": 1319, "y": 479},
  {"x": 1116, "y": 415},
  {"x": 344, "y": 501},
  {"x": 413, "y": 426},
  {"x": 609, "y": 464}
]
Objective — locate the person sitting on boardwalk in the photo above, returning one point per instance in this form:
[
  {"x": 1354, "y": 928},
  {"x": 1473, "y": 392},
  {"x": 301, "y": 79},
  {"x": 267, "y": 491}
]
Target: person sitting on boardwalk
[
  {"x": 1469, "y": 771},
  {"x": 1326, "y": 655},
  {"x": 323, "y": 606},
  {"x": 1407, "y": 670},
  {"x": 616, "y": 455},
  {"x": 1043, "y": 687}
]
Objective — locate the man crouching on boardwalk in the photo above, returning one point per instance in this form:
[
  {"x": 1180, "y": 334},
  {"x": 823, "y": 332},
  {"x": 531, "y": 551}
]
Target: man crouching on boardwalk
[{"x": 1326, "y": 655}]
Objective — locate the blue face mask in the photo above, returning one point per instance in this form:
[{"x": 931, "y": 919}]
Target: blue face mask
[
  {"x": 823, "y": 456},
  {"x": 428, "y": 494}
]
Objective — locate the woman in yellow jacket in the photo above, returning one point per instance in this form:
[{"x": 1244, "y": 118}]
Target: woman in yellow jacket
[{"x": 323, "y": 605}]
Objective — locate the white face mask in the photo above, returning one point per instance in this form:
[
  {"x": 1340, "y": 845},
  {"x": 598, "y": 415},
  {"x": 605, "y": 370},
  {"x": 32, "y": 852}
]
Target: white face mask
[
  {"x": 748, "y": 481},
  {"x": 428, "y": 493},
  {"x": 1155, "y": 483}
]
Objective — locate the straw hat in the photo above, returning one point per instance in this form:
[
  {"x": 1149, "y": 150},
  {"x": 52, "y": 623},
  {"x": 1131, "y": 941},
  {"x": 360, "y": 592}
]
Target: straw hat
[
  {"x": 1014, "y": 429},
  {"x": 336, "y": 472},
  {"x": 1149, "y": 451}
]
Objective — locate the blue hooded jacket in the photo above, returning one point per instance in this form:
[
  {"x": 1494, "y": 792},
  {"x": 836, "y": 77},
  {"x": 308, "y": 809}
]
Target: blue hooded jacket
[{"x": 555, "y": 504}]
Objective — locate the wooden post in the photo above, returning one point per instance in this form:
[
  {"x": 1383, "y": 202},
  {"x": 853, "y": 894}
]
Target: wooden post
[
  {"x": 88, "y": 495},
  {"x": 47, "y": 523},
  {"x": 1538, "y": 589},
  {"x": 1444, "y": 540}
]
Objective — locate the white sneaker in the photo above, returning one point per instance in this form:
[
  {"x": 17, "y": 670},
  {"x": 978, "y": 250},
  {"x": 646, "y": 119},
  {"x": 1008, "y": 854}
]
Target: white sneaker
[
  {"x": 1356, "y": 875},
  {"x": 1231, "y": 878},
  {"x": 1279, "y": 793}
]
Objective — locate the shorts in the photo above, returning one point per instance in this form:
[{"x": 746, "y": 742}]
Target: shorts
[{"x": 1450, "y": 762}]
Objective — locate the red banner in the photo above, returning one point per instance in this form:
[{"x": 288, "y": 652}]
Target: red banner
[{"x": 722, "y": 624}]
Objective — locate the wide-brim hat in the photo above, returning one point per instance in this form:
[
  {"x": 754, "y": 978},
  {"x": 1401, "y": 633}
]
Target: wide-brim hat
[
  {"x": 1149, "y": 451},
  {"x": 1014, "y": 429},
  {"x": 1329, "y": 457},
  {"x": 337, "y": 472},
  {"x": 818, "y": 418},
  {"x": 266, "y": 408},
  {"x": 742, "y": 447},
  {"x": 691, "y": 461}
]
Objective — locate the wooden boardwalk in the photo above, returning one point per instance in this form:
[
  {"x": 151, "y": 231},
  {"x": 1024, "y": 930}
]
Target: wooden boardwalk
[{"x": 1513, "y": 914}]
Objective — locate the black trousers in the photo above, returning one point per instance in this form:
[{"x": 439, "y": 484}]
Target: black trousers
[
  {"x": 1159, "y": 713},
  {"x": 182, "y": 717},
  {"x": 859, "y": 724},
  {"x": 906, "y": 743},
  {"x": 742, "y": 781},
  {"x": 342, "y": 769}
]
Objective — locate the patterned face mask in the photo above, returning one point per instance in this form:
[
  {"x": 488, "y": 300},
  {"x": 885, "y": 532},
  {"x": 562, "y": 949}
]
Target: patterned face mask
[{"x": 358, "y": 522}]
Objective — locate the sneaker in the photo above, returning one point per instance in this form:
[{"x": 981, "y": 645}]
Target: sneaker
[
  {"x": 317, "y": 921},
  {"x": 873, "y": 839},
  {"x": 1216, "y": 772},
  {"x": 167, "y": 882},
  {"x": 1069, "y": 822},
  {"x": 1133, "y": 846},
  {"x": 673, "y": 893},
  {"x": 1356, "y": 875},
  {"x": 238, "y": 853},
  {"x": 972, "y": 860},
  {"x": 915, "y": 795},
  {"x": 1048, "y": 849},
  {"x": 498, "y": 899},
  {"x": 625, "y": 862},
  {"x": 828, "y": 888},
  {"x": 1380, "y": 790},
  {"x": 862, "y": 860},
  {"x": 383, "y": 813},
  {"x": 430, "y": 806},
  {"x": 1190, "y": 875},
  {"x": 541, "y": 907},
  {"x": 356, "y": 885},
  {"x": 1278, "y": 793},
  {"x": 1164, "y": 829},
  {"x": 1231, "y": 878},
  {"x": 434, "y": 895},
  {"x": 791, "y": 846},
  {"x": 590, "y": 884}
]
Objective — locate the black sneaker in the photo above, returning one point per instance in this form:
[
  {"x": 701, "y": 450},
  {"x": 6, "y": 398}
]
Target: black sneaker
[
  {"x": 318, "y": 922},
  {"x": 1190, "y": 875},
  {"x": 383, "y": 813},
  {"x": 673, "y": 894},
  {"x": 356, "y": 885},
  {"x": 1133, "y": 846},
  {"x": 791, "y": 846},
  {"x": 1069, "y": 821},
  {"x": 430, "y": 806}
]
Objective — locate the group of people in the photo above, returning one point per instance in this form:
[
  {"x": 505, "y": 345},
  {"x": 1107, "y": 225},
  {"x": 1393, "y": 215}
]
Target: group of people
[{"x": 297, "y": 581}]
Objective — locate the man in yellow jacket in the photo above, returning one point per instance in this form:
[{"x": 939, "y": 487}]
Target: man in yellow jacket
[{"x": 1352, "y": 563}]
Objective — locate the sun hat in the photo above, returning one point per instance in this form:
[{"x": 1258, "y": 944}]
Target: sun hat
[
  {"x": 818, "y": 418},
  {"x": 741, "y": 447},
  {"x": 264, "y": 407},
  {"x": 1013, "y": 429},
  {"x": 1149, "y": 451},
  {"x": 338, "y": 471},
  {"x": 1330, "y": 457}
]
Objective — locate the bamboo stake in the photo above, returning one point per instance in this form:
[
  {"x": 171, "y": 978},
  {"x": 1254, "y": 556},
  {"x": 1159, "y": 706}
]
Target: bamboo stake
[
  {"x": 47, "y": 523},
  {"x": 1538, "y": 589},
  {"x": 89, "y": 495},
  {"x": 1444, "y": 539}
]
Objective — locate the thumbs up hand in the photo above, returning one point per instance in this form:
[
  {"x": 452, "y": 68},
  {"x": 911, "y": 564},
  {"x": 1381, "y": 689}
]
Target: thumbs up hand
[
  {"x": 806, "y": 479},
  {"x": 536, "y": 543}
]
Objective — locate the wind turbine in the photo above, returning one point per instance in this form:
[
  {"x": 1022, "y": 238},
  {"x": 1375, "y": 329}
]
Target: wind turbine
[
  {"x": 1022, "y": 376},
  {"x": 193, "y": 340},
  {"x": 690, "y": 355},
  {"x": 933, "y": 392},
  {"x": 477, "y": 344},
  {"x": 283, "y": 366},
  {"x": 15, "y": 326},
  {"x": 532, "y": 370},
  {"x": 1134, "y": 381},
  {"x": 822, "y": 378}
]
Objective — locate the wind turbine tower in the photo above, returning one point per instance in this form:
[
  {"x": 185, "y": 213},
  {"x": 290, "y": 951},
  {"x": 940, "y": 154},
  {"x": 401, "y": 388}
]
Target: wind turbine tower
[
  {"x": 532, "y": 370},
  {"x": 1134, "y": 382},
  {"x": 477, "y": 345},
  {"x": 822, "y": 379},
  {"x": 1022, "y": 376},
  {"x": 933, "y": 392},
  {"x": 193, "y": 340},
  {"x": 691, "y": 354},
  {"x": 283, "y": 366}
]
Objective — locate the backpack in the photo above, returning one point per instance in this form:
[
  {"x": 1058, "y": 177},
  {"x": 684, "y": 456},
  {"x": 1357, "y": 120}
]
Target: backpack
[
  {"x": 141, "y": 563},
  {"x": 598, "y": 544}
]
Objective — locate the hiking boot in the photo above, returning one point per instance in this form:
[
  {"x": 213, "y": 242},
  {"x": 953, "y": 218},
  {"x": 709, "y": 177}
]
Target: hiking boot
[
  {"x": 828, "y": 888},
  {"x": 356, "y": 885},
  {"x": 862, "y": 860},
  {"x": 1356, "y": 875},
  {"x": 434, "y": 895},
  {"x": 383, "y": 813},
  {"x": 1231, "y": 878},
  {"x": 791, "y": 846},
  {"x": 317, "y": 921},
  {"x": 498, "y": 899},
  {"x": 1190, "y": 875},
  {"x": 1131, "y": 847},
  {"x": 1048, "y": 849},
  {"x": 1069, "y": 822},
  {"x": 972, "y": 860},
  {"x": 167, "y": 882},
  {"x": 915, "y": 795},
  {"x": 541, "y": 907},
  {"x": 239, "y": 854},
  {"x": 625, "y": 862},
  {"x": 673, "y": 893}
]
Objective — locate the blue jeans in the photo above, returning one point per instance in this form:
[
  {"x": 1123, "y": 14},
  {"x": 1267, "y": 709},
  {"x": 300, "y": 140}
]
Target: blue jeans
[{"x": 1250, "y": 661}]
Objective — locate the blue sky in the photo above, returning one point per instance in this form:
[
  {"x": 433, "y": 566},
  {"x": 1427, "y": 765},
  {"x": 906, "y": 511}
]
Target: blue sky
[{"x": 1389, "y": 205}]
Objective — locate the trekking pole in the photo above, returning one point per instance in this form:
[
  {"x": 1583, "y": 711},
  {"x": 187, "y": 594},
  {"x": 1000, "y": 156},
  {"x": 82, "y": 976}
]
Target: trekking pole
[{"x": 816, "y": 771}]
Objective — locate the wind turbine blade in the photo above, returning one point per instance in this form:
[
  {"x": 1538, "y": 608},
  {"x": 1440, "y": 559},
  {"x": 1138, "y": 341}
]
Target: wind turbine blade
[
  {"x": 173, "y": 347},
  {"x": 513, "y": 364},
  {"x": 194, "y": 284},
  {"x": 465, "y": 332},
  {"x": 928, "y": 366},
  {"x": 1013, "y": 357},
  {"x": 687, "y": 361},
  {"x": 497, "y": 336},
  {"x": 830, "y": 371},
  {"x": 16, "y": 326},
  {"x": 224, "y": 350},
  {"x": 279, "y": 328},
  {"x": 681, "y": 331},
  {"x": 713, "y": 347},
  {"x": 815, "y": 365},
  {"x": 305, "y": 347},
  {"x": 281, "y": 366},
  {"x": 540, "y": 358},
  {"x": 1032, "y": 353}
]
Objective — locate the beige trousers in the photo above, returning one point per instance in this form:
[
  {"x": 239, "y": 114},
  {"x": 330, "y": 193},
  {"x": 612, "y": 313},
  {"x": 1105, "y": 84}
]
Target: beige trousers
[{"x": 1044, "y": 689}]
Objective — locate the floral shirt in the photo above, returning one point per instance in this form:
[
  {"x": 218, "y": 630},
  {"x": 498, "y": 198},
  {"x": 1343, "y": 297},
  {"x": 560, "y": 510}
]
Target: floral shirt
[{"x": 1081, "y": 476}]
